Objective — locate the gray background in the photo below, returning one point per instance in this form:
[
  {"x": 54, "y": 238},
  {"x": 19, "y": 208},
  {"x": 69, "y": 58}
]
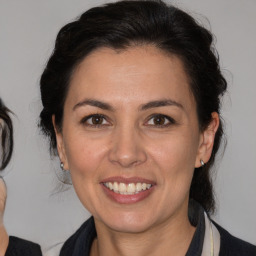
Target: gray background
[{"x": 36, "y": 210}]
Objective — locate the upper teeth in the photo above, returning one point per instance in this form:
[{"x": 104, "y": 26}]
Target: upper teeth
[{"x": 127, "y": 189}]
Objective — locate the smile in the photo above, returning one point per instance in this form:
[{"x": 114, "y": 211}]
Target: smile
[{"x": 127, "y": 189}]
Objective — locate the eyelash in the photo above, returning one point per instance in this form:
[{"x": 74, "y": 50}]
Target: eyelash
[
  {"x": 170, "y": 121},
  {"x": 84, "y": 121}
]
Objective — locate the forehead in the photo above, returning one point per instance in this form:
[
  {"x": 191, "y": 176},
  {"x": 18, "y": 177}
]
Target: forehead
[{"x": 130, "y": 76}]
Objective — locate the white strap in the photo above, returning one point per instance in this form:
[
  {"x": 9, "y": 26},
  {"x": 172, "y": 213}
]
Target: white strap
[{"x": 211, "y": 246}]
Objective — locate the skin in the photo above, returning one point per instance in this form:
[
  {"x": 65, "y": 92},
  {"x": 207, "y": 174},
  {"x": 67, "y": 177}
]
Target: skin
[
  {"x": 4, "y": 238},
  {"x": 129, "y": 142}
]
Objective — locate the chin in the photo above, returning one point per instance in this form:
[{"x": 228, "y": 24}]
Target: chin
[{"x": 128, "y": 222}]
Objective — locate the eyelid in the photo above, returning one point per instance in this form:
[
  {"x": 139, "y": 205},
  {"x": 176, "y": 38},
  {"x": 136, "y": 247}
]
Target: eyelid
[
  {"x": 171, "y": 121},
  {"x": 86, "y": 118}
]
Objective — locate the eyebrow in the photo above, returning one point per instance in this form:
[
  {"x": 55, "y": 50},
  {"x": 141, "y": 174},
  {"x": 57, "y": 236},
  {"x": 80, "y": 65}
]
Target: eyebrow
[
  {"x": 161, "y": 103},
  {"x": 93, "y": 103},
  {"x": 149, "y": 105}
]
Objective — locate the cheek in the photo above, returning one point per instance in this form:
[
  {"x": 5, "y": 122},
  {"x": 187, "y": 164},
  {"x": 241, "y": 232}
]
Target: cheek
[
  {"x": 174, "y": 151},
  {"x": 174, "y": 157},
  {"x": 85, "y": 159},
  {"x": 84, "y": 155}
]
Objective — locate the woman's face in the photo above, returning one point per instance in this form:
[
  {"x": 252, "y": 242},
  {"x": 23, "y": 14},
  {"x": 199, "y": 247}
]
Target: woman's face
[{"x": 131, "y": 137}]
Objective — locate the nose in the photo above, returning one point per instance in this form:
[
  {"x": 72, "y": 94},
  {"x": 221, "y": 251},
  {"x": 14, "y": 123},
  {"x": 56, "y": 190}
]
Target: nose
[{"x": 127, "y": 148}]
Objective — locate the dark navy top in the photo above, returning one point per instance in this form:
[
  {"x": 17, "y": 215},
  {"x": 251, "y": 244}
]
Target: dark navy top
[
  {"x": 21, "y": 247},
  {"x": 81, "y": 241}
]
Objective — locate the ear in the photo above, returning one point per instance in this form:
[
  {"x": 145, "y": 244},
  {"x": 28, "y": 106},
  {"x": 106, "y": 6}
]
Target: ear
[
  {"x": 60, "y": 145},
  {"x": 207, "y": 140}
]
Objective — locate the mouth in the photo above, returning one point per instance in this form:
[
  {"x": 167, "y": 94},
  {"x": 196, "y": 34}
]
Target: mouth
[{"x": 127, "y": 189}]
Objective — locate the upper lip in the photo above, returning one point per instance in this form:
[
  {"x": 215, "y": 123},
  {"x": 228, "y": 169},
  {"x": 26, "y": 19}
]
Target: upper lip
[{"x": 126, "y": 180}]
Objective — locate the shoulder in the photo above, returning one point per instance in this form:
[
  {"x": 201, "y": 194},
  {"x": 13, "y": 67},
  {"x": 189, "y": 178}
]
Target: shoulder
[
  {"x": 80, "y": 242},
  {"x": 233, "y": 246},
  {"x": 18, "y": 246}
]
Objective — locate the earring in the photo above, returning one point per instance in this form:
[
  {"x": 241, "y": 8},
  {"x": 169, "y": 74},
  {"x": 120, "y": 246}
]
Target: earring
[
  {"x": 64, "y": 175},
  {"x": 62, "y": 166},
  {"x": 202, "y": 162}
]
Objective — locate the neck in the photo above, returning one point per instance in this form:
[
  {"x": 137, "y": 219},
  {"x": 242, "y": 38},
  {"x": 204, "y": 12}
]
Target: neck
[
  {"x": 4, "y": 240},
  {"x": 167, "y": 238}
]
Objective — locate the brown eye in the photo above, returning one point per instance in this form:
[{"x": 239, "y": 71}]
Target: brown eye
[
  {"x": 160, "y": 121},
  {"x": 96, "y": 120}
]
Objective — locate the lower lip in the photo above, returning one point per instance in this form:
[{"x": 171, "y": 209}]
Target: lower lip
[{"x": 127, "y": 199}]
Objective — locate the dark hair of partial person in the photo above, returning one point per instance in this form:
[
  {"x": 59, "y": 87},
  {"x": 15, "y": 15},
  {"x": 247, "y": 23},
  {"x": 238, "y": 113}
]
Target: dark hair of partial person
[
  {"x": 6, "y": 136},
  {"x": 127, "y": 24}
]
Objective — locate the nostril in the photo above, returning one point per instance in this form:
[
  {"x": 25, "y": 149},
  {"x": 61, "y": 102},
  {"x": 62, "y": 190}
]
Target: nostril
[{"x": 126, "y": 159}]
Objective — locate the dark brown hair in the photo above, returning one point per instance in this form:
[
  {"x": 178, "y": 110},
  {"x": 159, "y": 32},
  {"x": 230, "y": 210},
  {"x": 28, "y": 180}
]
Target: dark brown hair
[{"x": 6, "y": 135}]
